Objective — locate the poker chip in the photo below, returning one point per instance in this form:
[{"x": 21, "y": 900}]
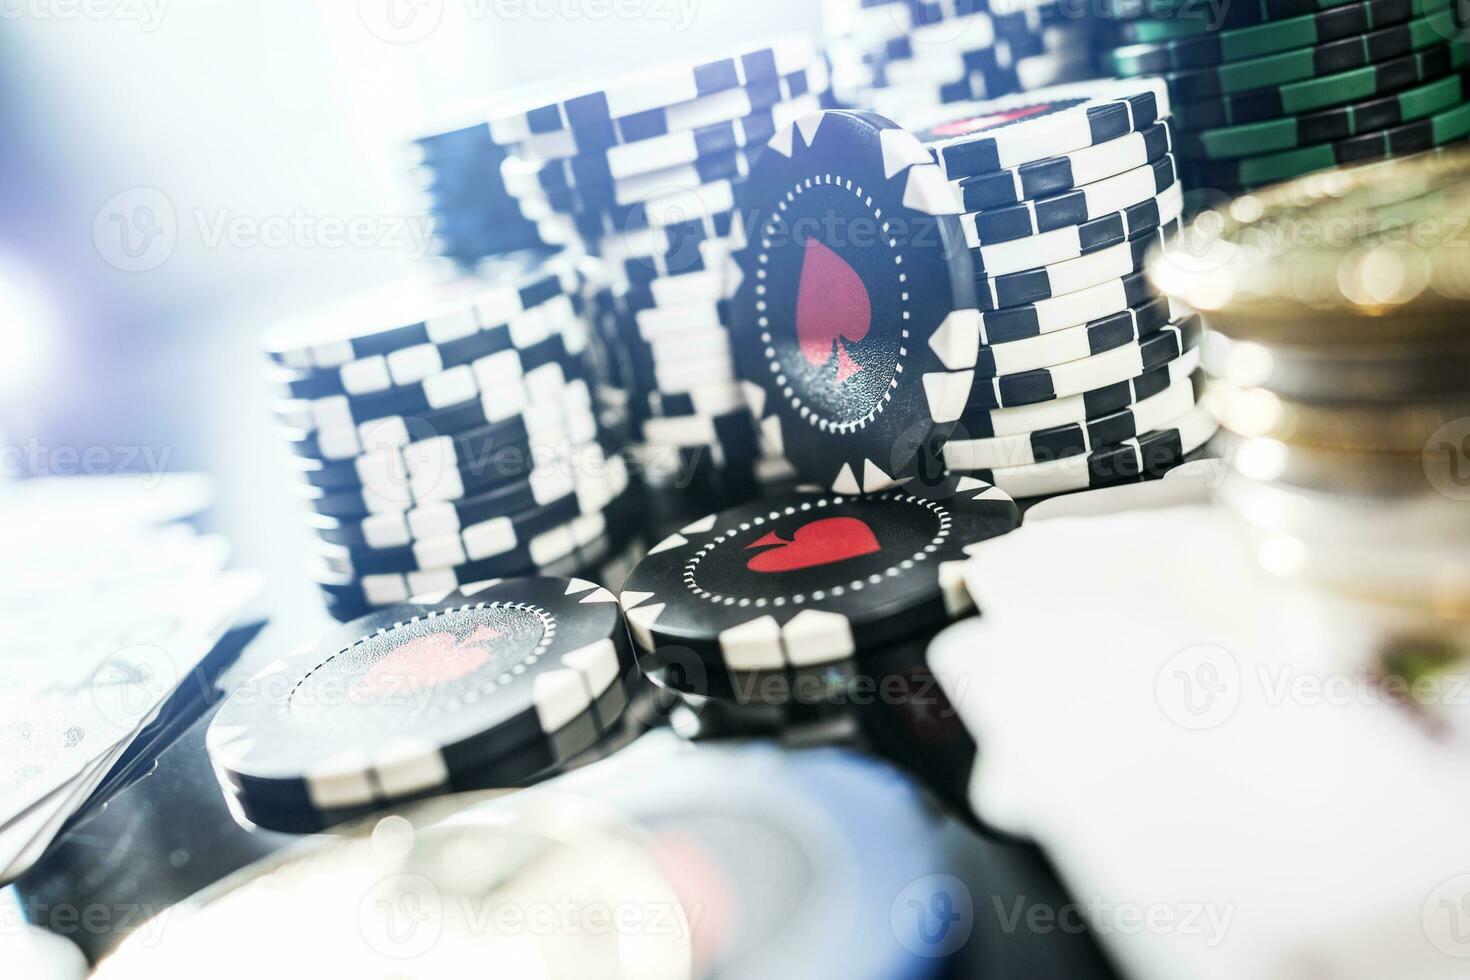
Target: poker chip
[
  {"x": 1327, "y": 126},
  {"x": 1053, "y": 175},
  {"x": 1273, "y": 89},
  {"x": 1334, "y": 57},
  {"x": 1074, "y": 207},
  {"x": 855, "y": 406},
  {"x": 1148, "y": 455},
  {"x": 1068, "y": 310},
  {"x": 556, "y": 550},
  {"x": 1076, "y": 438},
  {"x": 1072, "y": 275},
  {"x": 444, "y": 693},
  {"x": 1433, "y": 131},
  {"x": 809, "y": 579},
  {"x": 1074, "y": 241},
  {"x": 1296, "y": 98},
  {"x": 572, "y": 105},
  {"x": 416, "y": 363},
  {"x": 1005, "y": 133},
  {"x": 1118, "y": 364},
  {"x": 987, "y": 423},
  {"x": 412, "y": 312},
  {"x": 1244, "y": 43},
  {"x": 460, "y": 385},
  {"x": 1075, "y": 343}
]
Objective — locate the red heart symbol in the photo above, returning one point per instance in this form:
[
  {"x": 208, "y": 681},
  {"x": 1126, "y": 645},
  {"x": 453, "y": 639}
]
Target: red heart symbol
[
  {"x": 832, "y": 306},
  {"x": 818, "y": 543},
  {"x": 426, "y": 662}
]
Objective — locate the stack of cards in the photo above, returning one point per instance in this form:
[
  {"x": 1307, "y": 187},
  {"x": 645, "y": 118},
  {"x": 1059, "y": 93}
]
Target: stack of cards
[{"x": 115, "y": 604}]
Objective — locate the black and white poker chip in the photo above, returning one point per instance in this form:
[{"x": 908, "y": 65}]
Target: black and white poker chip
[
  {"x": 412, "y": 312},
  {"x": 407, "y": 701},
  {"x": 1075, "y": 438},
  {"x": 986, "y": 137},
  {"x": 1054, "y": 175},
  {"x": 853, "y": 315},
  {"x": 810, "y": 578}
]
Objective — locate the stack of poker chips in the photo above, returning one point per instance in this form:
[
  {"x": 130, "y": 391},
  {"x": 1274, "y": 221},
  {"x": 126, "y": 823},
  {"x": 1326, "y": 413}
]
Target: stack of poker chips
[
  {"x": 1086, "y": 375},
  {"x": 1339, "y": 367},
  {"x": 642, "y": 169},
  {"x": 897, "y": 56},
  {"x": 519, "y": 680},
  {"x": 812, "y": 610},
  {"x": 1269, "y": 90},
  {"x": 442, "y": 434}
]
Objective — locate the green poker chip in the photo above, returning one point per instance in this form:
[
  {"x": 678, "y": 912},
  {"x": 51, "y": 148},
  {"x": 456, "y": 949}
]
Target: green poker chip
[
  {"x": 1332, "y": 58},
  {"x": 1327, "y": 126},
  {"x": 1259, "y": 40},
  {"x": 1310, "y": 95},
  {"x": 1438, "y": 130},
  {"x": 1153, "y": 21}
]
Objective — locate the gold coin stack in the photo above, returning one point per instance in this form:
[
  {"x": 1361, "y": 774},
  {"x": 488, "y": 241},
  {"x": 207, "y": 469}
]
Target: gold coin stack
[{"x": 1338, "y": 364}]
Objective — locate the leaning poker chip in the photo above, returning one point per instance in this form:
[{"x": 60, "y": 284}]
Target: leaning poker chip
[
  {"x": 1151, "y": 454},
  {"x": 1061, "y": 244},
  {"x": 1053, "y": 175},
  {"x": 1076, "y": 438},
  {"x": 1007, "y": 132},
  {"x": 1088, "y": 373},
  {"x": 859, "y": 358},
  {"x": 1240, "y": 44},
  {"x": 577, "y": 105},
  {"x": 1333, "y": 57},
  {"x": 1297, "y": 98},
  {"x": 532, "y": 667},
  {"x": 1073, "y": 207},
  {"x": 1070, "y": 310},
  {"x": 1414, "y": 137},
  {"x": 811, "y": 578},
  {"x": 697, "y": 115},
  {"x": 411, "y": 312},
  {"x": 1072, "y": 275},
  {"x": 1075, "y": 343},
  {"x": 985, "y": 423},
  {"x": 1327, "y": 126}
]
